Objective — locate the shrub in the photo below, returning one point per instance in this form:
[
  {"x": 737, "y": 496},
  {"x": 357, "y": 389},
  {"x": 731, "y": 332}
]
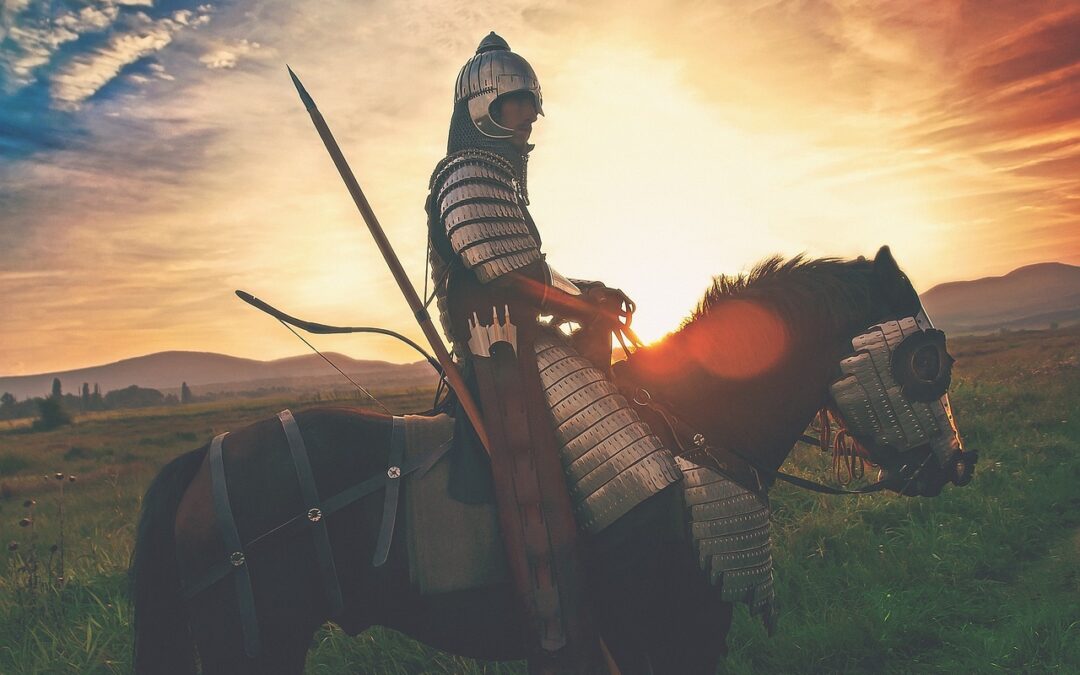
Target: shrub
[{"x": 51, "y": 415}]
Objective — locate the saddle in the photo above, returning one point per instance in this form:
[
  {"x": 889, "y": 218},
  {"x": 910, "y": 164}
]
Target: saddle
[{"x": 452, "y": 545}]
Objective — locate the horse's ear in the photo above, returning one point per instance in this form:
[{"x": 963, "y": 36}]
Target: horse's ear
[
  {"x": 884, "y": 263},
  {"x": 898, "y": 291}
]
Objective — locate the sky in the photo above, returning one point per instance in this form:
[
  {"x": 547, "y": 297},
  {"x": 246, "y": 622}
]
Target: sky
[{"x": 154, "y": 156}]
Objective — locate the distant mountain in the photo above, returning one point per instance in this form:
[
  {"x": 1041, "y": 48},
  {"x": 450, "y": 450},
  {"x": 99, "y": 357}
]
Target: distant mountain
[
  {"x": 1033, "y": 296},
  {"x": 208, "y": 372}
]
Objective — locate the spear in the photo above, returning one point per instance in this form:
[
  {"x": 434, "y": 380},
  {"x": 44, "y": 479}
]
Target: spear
[{"x": 453, "y": 375}]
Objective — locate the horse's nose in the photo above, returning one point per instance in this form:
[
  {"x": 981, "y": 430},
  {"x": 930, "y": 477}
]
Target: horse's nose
[{"x": 963, "y": 469}]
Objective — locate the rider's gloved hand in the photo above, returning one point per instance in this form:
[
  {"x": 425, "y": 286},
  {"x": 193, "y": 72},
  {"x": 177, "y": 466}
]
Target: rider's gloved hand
[{"x": 615, "y": 306}]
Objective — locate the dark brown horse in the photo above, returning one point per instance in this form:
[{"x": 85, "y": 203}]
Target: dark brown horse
[{"x": 749, "y": 370}]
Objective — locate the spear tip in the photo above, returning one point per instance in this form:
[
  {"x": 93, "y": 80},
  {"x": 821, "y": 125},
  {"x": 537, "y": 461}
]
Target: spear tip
[{"x": 304, "y": 96}]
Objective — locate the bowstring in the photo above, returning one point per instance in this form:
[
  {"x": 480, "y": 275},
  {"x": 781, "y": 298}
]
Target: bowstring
[{"x": 334, "y": 366}]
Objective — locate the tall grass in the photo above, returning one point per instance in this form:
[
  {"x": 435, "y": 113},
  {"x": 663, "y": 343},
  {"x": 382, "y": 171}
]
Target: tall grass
[{"x": 981, "y": 579}]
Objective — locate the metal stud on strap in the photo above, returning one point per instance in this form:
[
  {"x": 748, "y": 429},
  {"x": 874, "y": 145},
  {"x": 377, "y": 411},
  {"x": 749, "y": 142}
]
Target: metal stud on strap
[
  {"x": 390, "y": 499},
  {"x": 249, "y": 623},
  {"x": 310, "y": 494}
]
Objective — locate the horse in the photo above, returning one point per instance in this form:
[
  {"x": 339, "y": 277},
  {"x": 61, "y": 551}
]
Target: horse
[{"x": 748, "y": 370}]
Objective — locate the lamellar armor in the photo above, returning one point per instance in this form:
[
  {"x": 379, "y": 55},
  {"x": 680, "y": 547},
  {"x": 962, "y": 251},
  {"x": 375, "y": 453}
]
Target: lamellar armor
[{"x": 477, "y": 223}]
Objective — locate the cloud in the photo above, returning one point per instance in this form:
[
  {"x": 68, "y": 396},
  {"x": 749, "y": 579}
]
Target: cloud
[
  {"x": 77, "y": 51},
  {"x": 159, "y": 71},
  {"x": 31, "y": 48},
  {"x": 84, "y": 75},
  {"x": 36, "y": 29},
  {"x": 228, "y": 57}
]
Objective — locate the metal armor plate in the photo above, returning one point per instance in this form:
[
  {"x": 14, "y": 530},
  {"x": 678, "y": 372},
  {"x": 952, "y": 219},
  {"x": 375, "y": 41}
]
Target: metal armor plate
[
  {"x": 556, "y": 280},
  {"x": 729, "y": 527},
  {"x": 478, "y": 205},
  {"x": 873, "y": 403},
  {"x": 612, "y": 460}
]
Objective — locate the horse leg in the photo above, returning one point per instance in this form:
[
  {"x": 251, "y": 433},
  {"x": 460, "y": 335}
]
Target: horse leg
[
  {"x": 696, "y": 640},
  {"x": 284, "y": 646},
  {"x": 162, "y": 642}
]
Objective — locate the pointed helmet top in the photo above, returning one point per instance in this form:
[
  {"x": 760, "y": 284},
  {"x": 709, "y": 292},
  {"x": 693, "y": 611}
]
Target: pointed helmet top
[{"x": 491, "y": 43}]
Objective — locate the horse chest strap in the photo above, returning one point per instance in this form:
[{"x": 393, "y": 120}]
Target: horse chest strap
[
  {"x": 231, "y": 537},
  {"x": 393, "y": 488},
  {"x": 315, "y": 512}
]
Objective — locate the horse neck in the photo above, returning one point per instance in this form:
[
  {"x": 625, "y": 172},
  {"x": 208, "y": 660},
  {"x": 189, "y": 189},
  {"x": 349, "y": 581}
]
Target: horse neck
[{"x": 750, "y": 373}]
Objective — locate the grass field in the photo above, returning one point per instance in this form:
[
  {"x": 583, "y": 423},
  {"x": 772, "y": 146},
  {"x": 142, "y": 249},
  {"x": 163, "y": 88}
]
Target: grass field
[{"x": 981, "y": 579}]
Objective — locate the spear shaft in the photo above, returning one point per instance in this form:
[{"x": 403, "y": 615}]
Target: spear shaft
[{"x": 453, "y": 375}]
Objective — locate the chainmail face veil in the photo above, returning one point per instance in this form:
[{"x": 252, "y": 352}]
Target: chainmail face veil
[{"x": 465, "y": 136}]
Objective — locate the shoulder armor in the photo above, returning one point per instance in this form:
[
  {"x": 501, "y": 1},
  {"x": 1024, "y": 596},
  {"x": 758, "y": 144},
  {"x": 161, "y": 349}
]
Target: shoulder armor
[{"x": 476, "y": 197}]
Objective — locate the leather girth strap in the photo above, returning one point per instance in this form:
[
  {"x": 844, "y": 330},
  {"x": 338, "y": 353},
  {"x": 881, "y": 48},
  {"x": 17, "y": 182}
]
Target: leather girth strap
[
  {"x": 393, "y": 488},
  {"x": 310, "y": 494},
  {"x": 227, "y": 526},
  {"x": 315, "y": 514}
]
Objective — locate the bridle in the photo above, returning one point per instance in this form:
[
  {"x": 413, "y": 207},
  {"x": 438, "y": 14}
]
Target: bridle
[
  {"x": 690, "y": 443},
  {"x": 897, "y": 368}
]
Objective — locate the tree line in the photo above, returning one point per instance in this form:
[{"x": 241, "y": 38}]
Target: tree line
[{"x": 55, "y": 409}]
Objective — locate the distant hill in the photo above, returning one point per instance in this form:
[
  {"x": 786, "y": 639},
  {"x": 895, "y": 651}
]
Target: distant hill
[
  {"x": 208, "y": 372},
  {"x": 1033, "y": 296},
  {"x": 1030, "y": 297}
]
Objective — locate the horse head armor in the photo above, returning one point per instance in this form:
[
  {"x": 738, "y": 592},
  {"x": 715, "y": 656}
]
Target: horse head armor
[{"x": 893, "y": 394}]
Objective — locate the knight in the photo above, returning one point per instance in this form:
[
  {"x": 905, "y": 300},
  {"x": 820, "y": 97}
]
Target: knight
[{"x": 568, "y": 455}]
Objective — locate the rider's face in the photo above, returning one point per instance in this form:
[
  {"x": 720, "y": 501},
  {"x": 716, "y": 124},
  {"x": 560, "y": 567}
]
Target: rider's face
[{"x": 517, "y": 111}]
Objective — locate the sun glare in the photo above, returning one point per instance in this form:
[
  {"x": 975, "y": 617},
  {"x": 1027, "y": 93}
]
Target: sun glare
[{"x": 740, "y": 340}]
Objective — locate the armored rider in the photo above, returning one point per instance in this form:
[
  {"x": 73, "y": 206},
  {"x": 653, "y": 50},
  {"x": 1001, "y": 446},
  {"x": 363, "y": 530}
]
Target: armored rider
[{"x": 567, "y": 452}]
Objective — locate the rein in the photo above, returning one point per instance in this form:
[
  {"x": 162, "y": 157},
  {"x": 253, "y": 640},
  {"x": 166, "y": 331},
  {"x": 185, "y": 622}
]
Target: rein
[
  {"x": 846, "y": 456},
  {"x": 680, "y": 431}
]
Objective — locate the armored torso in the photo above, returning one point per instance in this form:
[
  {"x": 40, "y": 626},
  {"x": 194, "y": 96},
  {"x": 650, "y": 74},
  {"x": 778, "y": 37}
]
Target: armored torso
[{"x": 478, "y": 226}]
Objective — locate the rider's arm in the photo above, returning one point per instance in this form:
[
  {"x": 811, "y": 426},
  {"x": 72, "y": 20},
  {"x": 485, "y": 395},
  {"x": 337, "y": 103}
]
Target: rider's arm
[
  {"x": 551, "y": 293},
  {"x": 477, "y": 203}
]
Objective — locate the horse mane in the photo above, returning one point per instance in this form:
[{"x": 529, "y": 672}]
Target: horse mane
[
  {"x": 813, "y": 304},
  {"x": 820, "y": 295}
]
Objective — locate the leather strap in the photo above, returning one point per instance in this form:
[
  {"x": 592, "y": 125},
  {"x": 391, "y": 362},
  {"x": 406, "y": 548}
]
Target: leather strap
[
  {"x": 681, "y": 432},
  {"x": 346, "y": 497},
  {"x": 249, "y": 623},
  {"x": 393, "y": 487},
  {"x": 314, "y": 512}
]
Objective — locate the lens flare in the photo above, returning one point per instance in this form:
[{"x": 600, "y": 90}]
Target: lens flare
[{"x": 739, "y": 340}]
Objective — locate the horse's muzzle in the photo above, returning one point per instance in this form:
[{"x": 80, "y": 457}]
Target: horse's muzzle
[
  {"x": 929, "y": 478},
  {"x": 963, "y": 467}
]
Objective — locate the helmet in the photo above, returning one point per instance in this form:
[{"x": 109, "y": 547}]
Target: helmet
[{"x": 493, "y": 72}]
